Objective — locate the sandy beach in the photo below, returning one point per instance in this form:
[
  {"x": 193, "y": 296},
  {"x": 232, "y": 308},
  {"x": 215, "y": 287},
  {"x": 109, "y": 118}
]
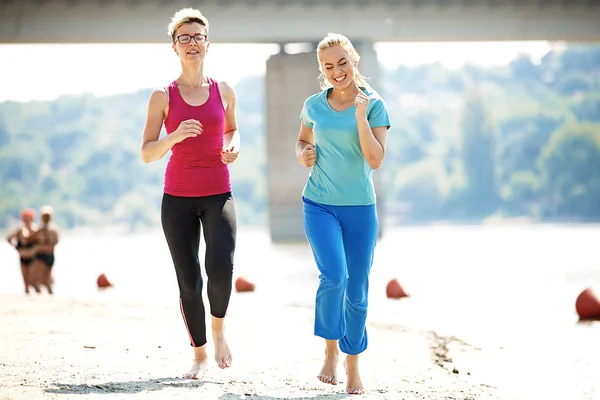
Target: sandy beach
[
  {"x": 465, "y": 333},
  {"x": 55, "y": 348}
]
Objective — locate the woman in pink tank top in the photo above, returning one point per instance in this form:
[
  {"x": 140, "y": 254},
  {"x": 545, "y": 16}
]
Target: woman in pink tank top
[{"x": 199, "y": 116}]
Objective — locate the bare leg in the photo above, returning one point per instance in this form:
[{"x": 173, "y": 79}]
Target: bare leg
[
  {"x": 34, "y": 275},
  {"x": 47, "y": 279},
  {"x": 222, "y": 352},
  {"x": 329, "y": 372},
  {"x": 354, "y": 384},
  {"x": 200, "y": 364},
  {"x": 25, "y": 274}
]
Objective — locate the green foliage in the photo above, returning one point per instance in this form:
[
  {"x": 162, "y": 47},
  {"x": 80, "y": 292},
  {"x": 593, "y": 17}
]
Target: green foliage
[
  {"x": 423, "y": 189},
  {"x": 586, "y": 107},
  {"x": 478, "y": 156},
  {"x": 570, "y": 178}
]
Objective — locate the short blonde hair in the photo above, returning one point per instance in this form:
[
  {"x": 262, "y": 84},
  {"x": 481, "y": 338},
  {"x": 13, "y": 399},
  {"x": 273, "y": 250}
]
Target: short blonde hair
[
  {"x": 46, "y": 210},
  {"x": 337, "y": 39},
  {"x": 46, "y": 213},
  {"x": 186, "y": 16}
]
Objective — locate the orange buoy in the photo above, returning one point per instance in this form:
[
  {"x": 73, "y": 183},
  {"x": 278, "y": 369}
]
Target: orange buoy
[
  {"x": 587, "y": 305},
  {"x": 103, "y": 282},
  {"x": 394, "y": 290},
  {"x": 244, "y": 285}
]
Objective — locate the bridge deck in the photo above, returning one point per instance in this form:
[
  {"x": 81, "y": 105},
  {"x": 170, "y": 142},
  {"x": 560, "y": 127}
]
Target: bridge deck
[{"x": 285, "y": 21}]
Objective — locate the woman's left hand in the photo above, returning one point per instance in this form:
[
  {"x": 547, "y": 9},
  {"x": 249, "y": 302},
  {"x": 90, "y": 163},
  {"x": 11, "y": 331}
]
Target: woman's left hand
[
  {"x": 229, "y": 155},
  {"x": 362, "y": 103}
]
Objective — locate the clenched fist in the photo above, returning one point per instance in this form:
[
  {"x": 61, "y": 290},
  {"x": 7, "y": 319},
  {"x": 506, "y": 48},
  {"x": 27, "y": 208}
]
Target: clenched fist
[
  {"x": 362, "y": 103},
  {"x": 229, "y": 155},
  {"x": 308, "y": 156},
  {"x": 188, "y": 128}
]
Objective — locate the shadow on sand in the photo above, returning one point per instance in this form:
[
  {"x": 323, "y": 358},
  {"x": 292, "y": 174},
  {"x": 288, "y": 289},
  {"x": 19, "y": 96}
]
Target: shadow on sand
[
  {"x": 130, "y": 387},
  {"x": 329, "y": 396},
  {"x": 156, "y": 384}
]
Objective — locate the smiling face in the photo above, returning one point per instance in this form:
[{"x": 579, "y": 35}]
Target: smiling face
[
  {"x": 191, "y": 42},
  {"x": 338, "y": 66}
]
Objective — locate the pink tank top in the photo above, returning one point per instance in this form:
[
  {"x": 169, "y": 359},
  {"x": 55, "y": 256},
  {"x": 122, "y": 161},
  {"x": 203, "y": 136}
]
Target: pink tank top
[{"x": 195, "y": 167}]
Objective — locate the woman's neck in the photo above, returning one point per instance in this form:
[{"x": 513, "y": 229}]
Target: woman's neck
[
  {"x": 344, "y": 95},
  {"x": 192, "y": 76}
]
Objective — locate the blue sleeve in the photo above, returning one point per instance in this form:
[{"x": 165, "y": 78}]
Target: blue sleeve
[
  {"x": 304, "y": 116},
  {"x": 378, "y": 115}
]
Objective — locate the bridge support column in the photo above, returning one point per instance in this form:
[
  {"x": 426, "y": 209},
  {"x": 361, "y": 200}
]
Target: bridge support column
[{"x": 290, "y": 79}]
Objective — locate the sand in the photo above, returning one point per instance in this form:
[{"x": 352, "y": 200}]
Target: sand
[
  {"x": 481, "y": 323},
  {"x": 111, "y": 347}
]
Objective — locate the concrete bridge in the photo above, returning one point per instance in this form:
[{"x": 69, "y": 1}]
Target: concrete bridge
[
  {"x": 272, "y": 21},
  {"x": 291, "y": 77}
]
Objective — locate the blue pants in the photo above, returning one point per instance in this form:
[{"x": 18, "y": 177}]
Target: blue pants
[{"x": 343, "y": 240}]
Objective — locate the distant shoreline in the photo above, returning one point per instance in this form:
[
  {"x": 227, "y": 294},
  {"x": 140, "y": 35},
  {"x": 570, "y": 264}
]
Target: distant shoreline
[{"x": 123, "y": 230}]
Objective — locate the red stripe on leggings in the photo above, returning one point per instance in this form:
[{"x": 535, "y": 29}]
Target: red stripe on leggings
[{"x": 186, "y": 324}]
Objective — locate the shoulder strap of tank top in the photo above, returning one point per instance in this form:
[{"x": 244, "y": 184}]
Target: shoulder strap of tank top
[
  {"x": 212, "y": 82},
  {"x": 172, "y": 91},
  {"x": 168, "y": 92},
  {"x": 214, "y": 89}
]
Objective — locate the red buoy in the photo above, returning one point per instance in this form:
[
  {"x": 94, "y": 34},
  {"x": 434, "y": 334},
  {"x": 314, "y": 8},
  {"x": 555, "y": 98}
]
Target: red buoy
[
  {"x": 394, "y": 290},
  {"x": 244, "y": 285},
  {"x": 103, "y": 282},
  {"x": 587, "y": 305}
]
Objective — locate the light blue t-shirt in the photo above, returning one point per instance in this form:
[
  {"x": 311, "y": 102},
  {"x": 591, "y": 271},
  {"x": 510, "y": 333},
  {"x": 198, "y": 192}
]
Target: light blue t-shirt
[{"x": 341, "y": 176}]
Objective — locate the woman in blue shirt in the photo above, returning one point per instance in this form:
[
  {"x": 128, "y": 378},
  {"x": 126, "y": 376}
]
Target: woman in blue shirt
[{"x": 342, "y": 139}]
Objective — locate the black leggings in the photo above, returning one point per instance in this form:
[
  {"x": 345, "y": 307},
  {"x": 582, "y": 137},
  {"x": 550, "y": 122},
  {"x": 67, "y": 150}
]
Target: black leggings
[{"x": 182, "y": 218}]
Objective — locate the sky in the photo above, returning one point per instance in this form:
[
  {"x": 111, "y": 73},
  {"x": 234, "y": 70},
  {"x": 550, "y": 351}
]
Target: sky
[{"x": 47, "y": 71}]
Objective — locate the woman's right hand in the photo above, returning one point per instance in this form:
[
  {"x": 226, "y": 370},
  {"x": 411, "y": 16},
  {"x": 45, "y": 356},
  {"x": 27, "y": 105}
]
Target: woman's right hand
[
  {"x": 308, "y": 156},
  {"x": 188, "y": 128}
]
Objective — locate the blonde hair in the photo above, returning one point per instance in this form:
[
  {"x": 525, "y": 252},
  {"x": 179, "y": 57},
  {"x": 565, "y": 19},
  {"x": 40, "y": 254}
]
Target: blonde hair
[
  {"x": 337, "y": 39},
  {"x": 186, "y": 16}
]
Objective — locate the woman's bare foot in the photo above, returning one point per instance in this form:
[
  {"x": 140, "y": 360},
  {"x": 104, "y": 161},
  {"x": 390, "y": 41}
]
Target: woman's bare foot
[
  {"x": 354, "y": 384},
  {"x": 198, "y": 369},
  {"x": 329, "y": 372},
  {"x": 222, "y": 353},
  {"x": 200, "y": 364}
]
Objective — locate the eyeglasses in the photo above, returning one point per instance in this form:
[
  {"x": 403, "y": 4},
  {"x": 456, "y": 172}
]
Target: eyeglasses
[{"x": 198, "y": 38}]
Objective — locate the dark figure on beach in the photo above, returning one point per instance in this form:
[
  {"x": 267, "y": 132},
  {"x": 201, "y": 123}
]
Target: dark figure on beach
[
  {"x": 20, "y": 240},
  {"x": 45, "y": 240}
]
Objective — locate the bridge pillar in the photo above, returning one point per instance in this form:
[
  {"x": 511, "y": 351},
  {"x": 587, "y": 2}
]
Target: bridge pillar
[{"x": 290, "y": 79}]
